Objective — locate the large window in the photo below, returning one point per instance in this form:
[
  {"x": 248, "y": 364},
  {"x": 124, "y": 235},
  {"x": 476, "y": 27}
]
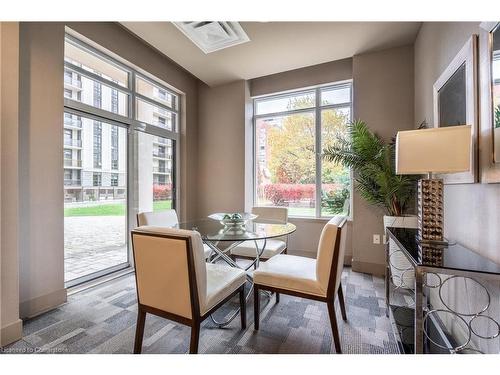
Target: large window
[
  {"x": 120, "y": 132},
  {"x": 291, "y": 130}
]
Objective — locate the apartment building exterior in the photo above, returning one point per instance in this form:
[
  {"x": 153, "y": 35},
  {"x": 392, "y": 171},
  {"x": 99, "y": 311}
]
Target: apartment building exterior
[{"x": 95, "y": 153}]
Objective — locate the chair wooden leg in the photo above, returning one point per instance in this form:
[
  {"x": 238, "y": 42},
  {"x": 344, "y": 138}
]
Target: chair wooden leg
[
  {"x": 342, "y": 303},
  {"x": 333, "y": 322},
  {"x": 256, "y": 307},
  {"x": 139, "y": 331},
  {"x": 243, "y": 308},
  {"x": 195, "y": 338},
  {"x": 277, "y": 297}
]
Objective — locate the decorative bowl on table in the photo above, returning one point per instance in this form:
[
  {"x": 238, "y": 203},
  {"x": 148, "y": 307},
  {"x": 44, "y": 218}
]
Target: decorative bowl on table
[{"x": 233, "y": 219}]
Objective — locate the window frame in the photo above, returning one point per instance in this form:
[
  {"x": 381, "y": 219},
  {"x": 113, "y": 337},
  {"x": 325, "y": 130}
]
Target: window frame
[
  {"x": 130, "y": 91},
  {"x": 317, "y": 110},
  {"x": 128, "y": 122}
]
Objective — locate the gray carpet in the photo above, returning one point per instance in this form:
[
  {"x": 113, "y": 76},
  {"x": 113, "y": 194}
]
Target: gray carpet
[{"x": 102, "y": 320}]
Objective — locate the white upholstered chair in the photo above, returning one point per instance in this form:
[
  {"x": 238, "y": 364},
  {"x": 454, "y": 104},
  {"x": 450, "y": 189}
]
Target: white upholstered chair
[
  {"x": 174, "y": 282},
  {"x": 274, "y": 246},
  {"x": 167, "y": 218},
  {"x": 317, "y": 279}
]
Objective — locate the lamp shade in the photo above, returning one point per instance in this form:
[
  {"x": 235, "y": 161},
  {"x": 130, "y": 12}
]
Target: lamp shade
[{"x": 436, "y": 150}]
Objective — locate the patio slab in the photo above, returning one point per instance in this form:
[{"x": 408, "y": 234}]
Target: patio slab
[{"x": 93, "y": 243}]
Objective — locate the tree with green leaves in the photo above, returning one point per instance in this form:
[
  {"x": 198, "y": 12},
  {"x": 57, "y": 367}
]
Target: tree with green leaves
[
  {"x": 373, "y": 162},
  {"x": 292, "y": 146},
  {"x": 291, "y": 153}
]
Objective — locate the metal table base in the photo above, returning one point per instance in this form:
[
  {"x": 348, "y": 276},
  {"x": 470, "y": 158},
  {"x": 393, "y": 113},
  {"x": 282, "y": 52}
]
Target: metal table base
[{"x": 222, "y": 254}]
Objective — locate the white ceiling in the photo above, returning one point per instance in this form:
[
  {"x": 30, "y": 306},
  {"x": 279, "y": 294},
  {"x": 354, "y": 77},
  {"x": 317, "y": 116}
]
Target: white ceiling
[{"x": 275, "y": 46}]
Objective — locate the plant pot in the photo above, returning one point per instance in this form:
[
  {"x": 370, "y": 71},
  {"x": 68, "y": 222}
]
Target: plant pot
[{"x": 401, "y": 269}]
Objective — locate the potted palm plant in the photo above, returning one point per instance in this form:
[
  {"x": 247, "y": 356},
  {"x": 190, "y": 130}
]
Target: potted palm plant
[{"x": 373, "y": 163}]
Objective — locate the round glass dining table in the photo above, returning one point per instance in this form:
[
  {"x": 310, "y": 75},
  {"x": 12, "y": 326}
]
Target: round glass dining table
[
  {"x": 213, "y": 233},
  {"x": 222, "y": 239}
]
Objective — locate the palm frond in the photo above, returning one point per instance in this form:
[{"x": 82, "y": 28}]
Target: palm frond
[{"x": 373, "y": 162}]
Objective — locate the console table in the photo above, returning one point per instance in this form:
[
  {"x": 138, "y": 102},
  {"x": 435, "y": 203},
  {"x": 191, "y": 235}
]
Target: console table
[{"x": 419, "y": 328}]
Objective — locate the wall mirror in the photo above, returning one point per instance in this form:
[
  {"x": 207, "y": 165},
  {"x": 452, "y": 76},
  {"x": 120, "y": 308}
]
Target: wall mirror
[
  {"x": 489, "y": 58},
  {"x": 455, "y": 103}
]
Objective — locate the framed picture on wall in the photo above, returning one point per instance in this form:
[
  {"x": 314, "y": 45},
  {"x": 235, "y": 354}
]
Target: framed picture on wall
[{"x": 456, "y": 103}]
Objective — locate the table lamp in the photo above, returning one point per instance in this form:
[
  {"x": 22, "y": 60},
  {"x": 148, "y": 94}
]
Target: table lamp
[{"x": 428, "y": 151}]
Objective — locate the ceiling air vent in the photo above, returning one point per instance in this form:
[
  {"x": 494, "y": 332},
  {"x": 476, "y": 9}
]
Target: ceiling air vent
[{"x": 211, "y": 36}]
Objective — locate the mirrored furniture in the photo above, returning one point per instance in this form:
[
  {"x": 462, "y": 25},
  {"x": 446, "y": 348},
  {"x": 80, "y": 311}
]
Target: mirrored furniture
[{"x": 455, "y": 304}]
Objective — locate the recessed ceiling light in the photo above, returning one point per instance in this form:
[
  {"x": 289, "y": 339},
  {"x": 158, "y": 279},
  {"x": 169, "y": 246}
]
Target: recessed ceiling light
[{"x": 211, "y": 36}]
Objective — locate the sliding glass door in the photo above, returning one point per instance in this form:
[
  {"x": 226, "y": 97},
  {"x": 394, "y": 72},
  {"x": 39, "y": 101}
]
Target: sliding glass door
[
  {"x": 121, "y": 128},
  {"x": 95, "y": 197}
]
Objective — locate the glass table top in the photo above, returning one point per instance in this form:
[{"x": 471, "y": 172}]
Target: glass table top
[
  {"x": 258, "y": 229},
  {"x": 453, "y": 256}
]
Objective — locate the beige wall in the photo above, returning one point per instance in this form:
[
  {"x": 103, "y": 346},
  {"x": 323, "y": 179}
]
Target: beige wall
[
  {"x": 221, "y": 148},
  {"x": 333, "y": 71},
  {"x": 41, "y": 175},
  {"x": 383, "y": 98},
  {"x": 10, "y": 324},
  {"x": 472, "y": 211}
]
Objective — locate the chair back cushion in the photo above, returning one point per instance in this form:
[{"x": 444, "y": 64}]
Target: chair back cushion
[
  {"x": 271, "y": 213},
  {"x": 166, "y": 218},
  {"x": 329, "y": 244},
  {"x": 163, "y": 271}
]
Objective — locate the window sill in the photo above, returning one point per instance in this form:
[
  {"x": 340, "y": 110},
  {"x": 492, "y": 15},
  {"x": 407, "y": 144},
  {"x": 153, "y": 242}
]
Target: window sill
[{"x": 307, "y": 219}]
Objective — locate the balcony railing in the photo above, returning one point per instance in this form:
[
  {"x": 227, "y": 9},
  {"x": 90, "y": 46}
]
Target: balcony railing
[
  {"x": 73, "y": 163},
  {"x": 160, "y": 140},
  {"x": 159, "y": 110},
  {"x": 160, "y": 170},
  {"x": 73, "y": 122},
  {"x": 72, "y": 182},
  {"x": 73, "y": 142},
  {"x": 73, "y": 82},
  {"x": 160, "y": 154}
]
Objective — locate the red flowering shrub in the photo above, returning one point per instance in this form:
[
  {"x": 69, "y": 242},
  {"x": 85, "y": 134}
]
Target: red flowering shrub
[
  {"x": 280, "y": 194},
  {"x": 162, "y": 192}
]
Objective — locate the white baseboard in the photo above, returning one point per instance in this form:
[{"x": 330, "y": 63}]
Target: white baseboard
[
  {"x": 11, "y": 332},
  {"x": 39, "y": 305}
]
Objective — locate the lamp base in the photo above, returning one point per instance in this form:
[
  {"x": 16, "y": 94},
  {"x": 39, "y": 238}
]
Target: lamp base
[
  {"x": 443, "y": 243},
  {"x": 430, "y": 210},
  {"x": 431, "y": 254}
]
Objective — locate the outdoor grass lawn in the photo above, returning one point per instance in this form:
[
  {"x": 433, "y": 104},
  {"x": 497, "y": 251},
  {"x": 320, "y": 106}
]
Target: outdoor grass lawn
[
  {"x": 113, "y": 209},
  {"x": 118, "y": 209}
]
